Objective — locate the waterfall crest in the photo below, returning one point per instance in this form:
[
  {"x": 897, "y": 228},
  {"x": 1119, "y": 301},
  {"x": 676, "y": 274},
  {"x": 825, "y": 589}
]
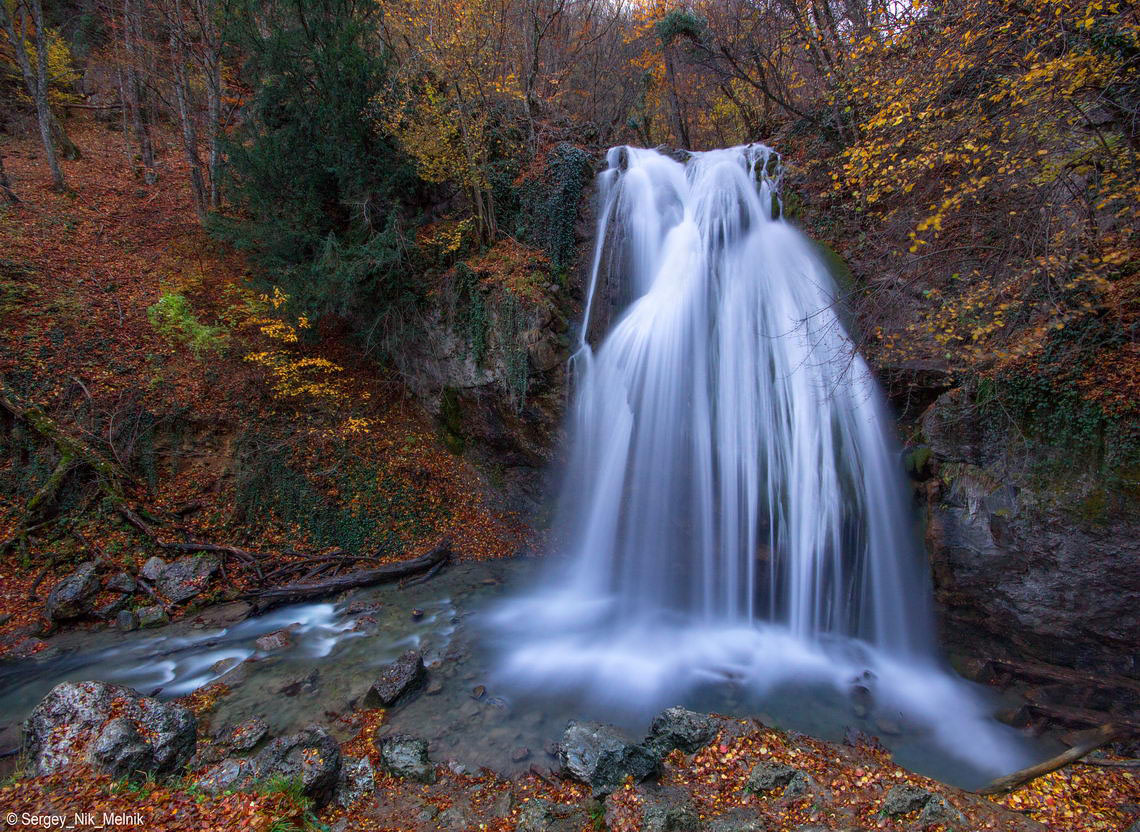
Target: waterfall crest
[{"x": 734, "y": 505}]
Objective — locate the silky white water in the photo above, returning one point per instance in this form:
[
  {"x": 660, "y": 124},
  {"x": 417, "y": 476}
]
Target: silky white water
[{"x": 734, "y": 507}]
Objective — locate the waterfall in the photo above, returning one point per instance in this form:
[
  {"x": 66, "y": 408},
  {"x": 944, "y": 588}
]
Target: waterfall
[{"x": 734, "y": 505}]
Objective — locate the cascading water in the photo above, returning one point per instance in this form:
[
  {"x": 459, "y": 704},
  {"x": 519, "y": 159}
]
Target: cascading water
[{"x": 734, "y": 507}]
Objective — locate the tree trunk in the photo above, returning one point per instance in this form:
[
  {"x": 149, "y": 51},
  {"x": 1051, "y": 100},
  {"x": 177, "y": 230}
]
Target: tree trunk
[
  {"x": 34, "y": 79},
  {"x": 293, "y": 593},
  {"x": 185, "y": 115},
  {"x": 135, "y": 97},
  {"x": 680, "y": 128},
  {"x": 6, "y": 186}
]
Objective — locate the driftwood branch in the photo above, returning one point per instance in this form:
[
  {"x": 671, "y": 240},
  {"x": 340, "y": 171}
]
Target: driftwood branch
[
  {"x": 1101, "y": 736},
  {"x": 293, "y": 593}
]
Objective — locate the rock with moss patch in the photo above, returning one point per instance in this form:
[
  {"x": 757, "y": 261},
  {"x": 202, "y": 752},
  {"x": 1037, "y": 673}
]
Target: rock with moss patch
[
  {"x": 939, "y": 810},
  {"x": 739, "y": 819},
  {"x": 152, "y": 616}
]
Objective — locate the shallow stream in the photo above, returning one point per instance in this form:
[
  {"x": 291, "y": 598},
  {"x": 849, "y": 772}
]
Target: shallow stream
[{"x": 336, "y": 647}]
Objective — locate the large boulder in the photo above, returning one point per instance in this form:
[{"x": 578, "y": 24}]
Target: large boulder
[
  {"x": 114, "y": 728},
  {"x": 310, "y": 757},
  {"x": 600, "y": 756},
  {"x": 186, "y": 577},
  {"x": 71, "y": 598},
  {"x": 406, "y": 757},
  {"x": 678, "y": 728},
  {"x": 396, "y": 680}
]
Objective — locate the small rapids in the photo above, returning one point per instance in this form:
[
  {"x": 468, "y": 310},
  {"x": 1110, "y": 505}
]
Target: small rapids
[{"x": 734, "y": 511}]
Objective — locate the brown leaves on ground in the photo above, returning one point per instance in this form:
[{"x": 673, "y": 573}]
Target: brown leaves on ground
[{"x": 77, "y": 275}]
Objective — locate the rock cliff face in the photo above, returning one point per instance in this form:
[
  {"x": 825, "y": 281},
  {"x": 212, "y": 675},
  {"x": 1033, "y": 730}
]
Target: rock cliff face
[
  {"x": 1019, "y": 570},
  {"x": 490, "y": 358}
]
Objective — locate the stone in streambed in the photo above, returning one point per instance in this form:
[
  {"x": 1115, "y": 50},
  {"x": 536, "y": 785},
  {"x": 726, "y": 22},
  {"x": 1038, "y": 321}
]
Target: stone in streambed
[
  {"x": 598, "y": 755},
  {"x": 277, "y": 640},
  {"x": 396, "y": 680},
  {"x": 407, "y": 757},
  {"x": 71, "y": 598}
]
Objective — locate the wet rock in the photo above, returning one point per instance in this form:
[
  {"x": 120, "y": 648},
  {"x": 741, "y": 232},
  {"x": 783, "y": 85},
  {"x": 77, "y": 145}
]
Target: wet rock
[
  {"x": 537, "y": 815},
  {"x": 186, "y": 577},
  {"x": 71, "y": 598},
  {"x": 901, "y": 800},
  {"x": 888, "y": 726},
  {"x": 478, "y": 692},
  {"x": 126, "y": 621},
  {"x": 737, "y": 820},
  {"x": 112, "y": 608},
  {"x": 120, "y": 749},
  {"x": 407, "y": 757},
  {"x": 357, "y": 780},
  {"x": 277, "y": 640},
  {"x": 601, "y": 757},
  {"x": 114, "y": 728},
  {"x": 121, "y": 582},
  {"x": 310, "y": 757},
  {"x": 939, "y": 810},
  {"x": 226, "y": 775},
  {"x": 456, "y": 819},
  {"x": 152, "y": 569},
  {"x": 799, "y": 785},
  {"x": 667, "y": 809},
  {"x": 308, "y": 684},
  {"x": 248, "y": 734},
  {"x": 680, "y": 728},
  {"x": 766, "y": 777},
  {"x": 152, "y": 616},
  {"x": 520, "y": 754},
  {"x": 396, "y": 680},
  {"x": 434, "y": 687}
]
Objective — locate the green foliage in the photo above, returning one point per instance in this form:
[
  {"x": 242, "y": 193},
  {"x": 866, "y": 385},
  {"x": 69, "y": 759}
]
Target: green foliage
[
  {"x": 320, "y": 192},
  {"x": 548, "y": 204},
  {"x": 681, "y": 23},
  {"x": 471, "y": 312},
  {"x": 171, "y": 317},
  {"x": 514, "y": 351},
  {"x": 355, "y": 507}
]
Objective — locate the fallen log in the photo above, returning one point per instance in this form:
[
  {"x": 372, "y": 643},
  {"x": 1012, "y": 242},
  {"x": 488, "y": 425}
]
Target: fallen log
[
  {"x": 294, "y": 593},
  {"x": 1101, "y": 736}
]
